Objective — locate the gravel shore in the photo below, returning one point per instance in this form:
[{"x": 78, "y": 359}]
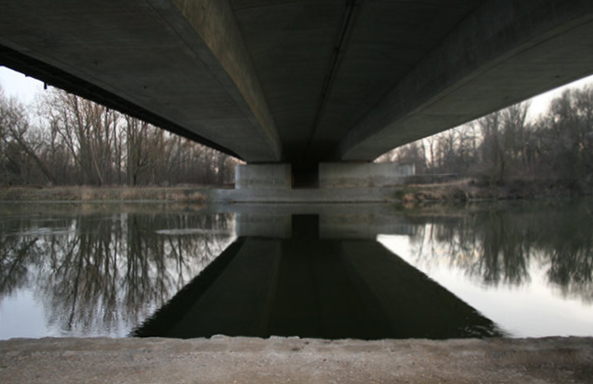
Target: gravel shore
[{"x": 293, "y": 360}]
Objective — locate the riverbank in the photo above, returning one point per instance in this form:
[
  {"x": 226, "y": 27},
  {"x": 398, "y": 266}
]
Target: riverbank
[
  {"x": 293, "y": 360},
  {"x": 467, "y": 190},
  {"x": 85, "y": 193},
  {"x": 198, "y": 194},
  {"x": 459, "y": 191}
]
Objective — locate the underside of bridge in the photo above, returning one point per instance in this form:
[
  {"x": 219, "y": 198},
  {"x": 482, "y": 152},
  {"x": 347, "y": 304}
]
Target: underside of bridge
[{"x": 301, "y": 82}]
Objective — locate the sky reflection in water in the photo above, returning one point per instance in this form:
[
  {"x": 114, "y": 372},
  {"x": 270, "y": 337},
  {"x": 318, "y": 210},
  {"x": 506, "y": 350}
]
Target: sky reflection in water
[{"x": 526, "y": 266}]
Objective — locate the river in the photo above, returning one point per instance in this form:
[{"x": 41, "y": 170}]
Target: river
[{"x": 367, "y": 271}]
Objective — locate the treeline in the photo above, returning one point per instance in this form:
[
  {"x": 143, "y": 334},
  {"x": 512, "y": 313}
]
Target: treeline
[
  {"x": 507, "y": 145},
  {"x": 63, "y": 139}
]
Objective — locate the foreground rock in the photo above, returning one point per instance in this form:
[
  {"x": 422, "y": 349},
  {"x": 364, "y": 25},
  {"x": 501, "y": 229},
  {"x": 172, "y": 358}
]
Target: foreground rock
[{"x": 292, "y": 360}]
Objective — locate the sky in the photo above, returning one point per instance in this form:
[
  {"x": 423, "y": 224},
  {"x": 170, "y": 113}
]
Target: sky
[
  {"x": 26, "y": 88},
  {"x": 539, "y": 104},
  {"x": 20, "y": 86}
]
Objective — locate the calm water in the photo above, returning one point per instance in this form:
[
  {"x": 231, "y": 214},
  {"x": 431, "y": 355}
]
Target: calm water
[{"x": 351, "y": 271}]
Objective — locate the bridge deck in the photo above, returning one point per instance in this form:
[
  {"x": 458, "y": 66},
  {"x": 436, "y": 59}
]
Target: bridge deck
[{"x": 301, "y": 81}]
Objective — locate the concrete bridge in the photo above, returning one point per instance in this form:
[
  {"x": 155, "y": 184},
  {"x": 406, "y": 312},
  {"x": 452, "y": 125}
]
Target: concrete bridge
[{"x": 295, "y": 83}]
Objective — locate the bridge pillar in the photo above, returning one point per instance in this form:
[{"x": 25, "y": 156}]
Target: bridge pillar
[
  {"x": 263, "y": 176},
  {"x": 363, "y": 175},
  {"x": 330, "y": 183}
]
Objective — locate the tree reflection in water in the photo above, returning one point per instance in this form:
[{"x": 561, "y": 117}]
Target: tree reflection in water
[
  {"x": 501, "y": 244},
  {"x": 101, "y": 273}
]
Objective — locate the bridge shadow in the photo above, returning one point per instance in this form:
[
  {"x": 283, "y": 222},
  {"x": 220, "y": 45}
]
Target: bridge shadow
[{"x": 310, "y": 287}]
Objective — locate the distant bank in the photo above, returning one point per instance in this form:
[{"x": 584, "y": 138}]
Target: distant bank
[
  {"x": 472, "y": 190},
  {"x": 413, "y": 194},
  {"x": 84, "y": 193}
]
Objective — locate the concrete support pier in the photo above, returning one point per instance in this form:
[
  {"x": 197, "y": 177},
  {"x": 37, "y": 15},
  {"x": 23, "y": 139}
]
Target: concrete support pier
[
  {"x": 263, "y": 176},
  {"x": 363, "y": 175},
  {"x": 329, "y": 183},
  {"x": 293, "y": 360}
]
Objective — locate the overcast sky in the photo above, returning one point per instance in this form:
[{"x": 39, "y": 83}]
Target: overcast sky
[
  {"x": 26, "y": 88},
  {"x": 18, "y": 85}
]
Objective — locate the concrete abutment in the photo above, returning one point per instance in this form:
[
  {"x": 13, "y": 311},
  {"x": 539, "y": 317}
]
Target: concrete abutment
[
  {"x": 263, "y": 176},
  {"x": 327, "y": 175},
  {"x": 363, "y": 175},
  {"x": 329, "y": 182}
]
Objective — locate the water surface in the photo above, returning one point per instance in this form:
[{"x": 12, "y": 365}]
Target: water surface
[{"x": 339, "y": 271}]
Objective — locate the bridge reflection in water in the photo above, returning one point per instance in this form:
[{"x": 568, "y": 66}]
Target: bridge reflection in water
[{"x": 309, "y": 286}]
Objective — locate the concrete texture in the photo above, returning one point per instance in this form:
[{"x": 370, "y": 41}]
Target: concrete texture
[
  {"x": 270, "y": 225},
  {"x": 302, "y": 81},
  {"x": 292, "y": 196},
  {"x": 359, "y": 175},
  {"x": 503, "y": 52},
  {"x": 215, "y": 22},
  {"x": 349, "y": 221},
  {"x": 328, "y": 176},
  {"x": 293, "y": 360},
  {"x": 263, "y": 176}
]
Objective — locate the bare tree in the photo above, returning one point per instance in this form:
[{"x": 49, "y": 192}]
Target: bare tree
[
  {"x": 16, "y": 132},
  {"x": 102, "y": 147}
]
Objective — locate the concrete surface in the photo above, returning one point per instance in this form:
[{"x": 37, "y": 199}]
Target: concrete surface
[
  {"x": 327, "y": 175},
  {"x": 293, "y": 360},
  {"x": 334, "y": 223},
  {"x": 295, "y": 196},
  {"x": 358, "y": 175},
  {"x": 215, "y": 22},
  {"x": 302, "y": 81},
  {"x": 263, "y": 176}
]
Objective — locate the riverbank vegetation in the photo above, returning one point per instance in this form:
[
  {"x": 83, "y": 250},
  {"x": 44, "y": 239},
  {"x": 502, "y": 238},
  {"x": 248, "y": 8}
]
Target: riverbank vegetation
[
  {"x": 469, "y": 189},
  {"x": 508, "y": 153},
  {"x": 65, "y": 140},
  {"x": 179, "y": 194}
]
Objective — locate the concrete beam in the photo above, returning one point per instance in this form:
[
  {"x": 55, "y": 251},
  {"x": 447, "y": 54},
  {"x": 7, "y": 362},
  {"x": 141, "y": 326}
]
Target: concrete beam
[
  {"x": 185, "y": 62},
  {"x": 215, "y": 22},
  {"x": 505, "y": 52}
]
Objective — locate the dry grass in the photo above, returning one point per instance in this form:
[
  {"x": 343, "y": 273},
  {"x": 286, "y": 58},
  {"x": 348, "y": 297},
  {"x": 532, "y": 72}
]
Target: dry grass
[
  {"x": 470, "y": 190},
  {"x": 177, "y": 194}
]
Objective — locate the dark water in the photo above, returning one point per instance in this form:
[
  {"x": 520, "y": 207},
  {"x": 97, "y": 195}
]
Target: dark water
[{"x": 339, "y": 271}]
